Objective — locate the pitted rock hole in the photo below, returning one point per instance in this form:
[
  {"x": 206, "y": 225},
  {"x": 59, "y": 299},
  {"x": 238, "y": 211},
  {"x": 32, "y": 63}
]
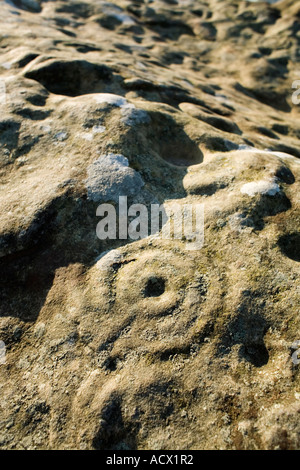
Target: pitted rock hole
[
  {"x": 155, "y": 286},
  {"x": 289, "y": 245},
  {"x": 71, "y": 78},
  {"x": 171, "y": 141}
]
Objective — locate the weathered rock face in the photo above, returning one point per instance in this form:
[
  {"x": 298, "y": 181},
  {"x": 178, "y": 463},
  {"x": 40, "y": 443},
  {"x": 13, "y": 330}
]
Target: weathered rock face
[{"x": 147, "y": 344}]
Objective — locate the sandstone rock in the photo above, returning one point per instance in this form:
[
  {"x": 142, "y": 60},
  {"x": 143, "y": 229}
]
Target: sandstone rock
[{"x": 144, "y": 343}]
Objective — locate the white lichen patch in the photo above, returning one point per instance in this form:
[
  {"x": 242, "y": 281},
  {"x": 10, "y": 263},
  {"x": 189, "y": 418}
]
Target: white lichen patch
[
  {"x": 46, "y": 128},
  {"x": 114, "y": 11},
  {"x": 61, "y": 136},
  {"x": 284, "y": 155},
  {"x": 276, "y": 153},
  {"x": 89, "y": 136},
  {"x": 110, "y": 177},
  {"x": 98, "y": 129},
  {"x": 107, "y": 259},
  {"x": 133, "y": 116},
  {"x": 113, "y": 100},
  {"x": 6, "y": 65},
  {"x": 264, "y": 187},
  {"x": 240, "y": 222}
]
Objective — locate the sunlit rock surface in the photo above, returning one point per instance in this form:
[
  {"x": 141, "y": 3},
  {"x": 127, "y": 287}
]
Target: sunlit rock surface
[{"x": 145, "y": 344}]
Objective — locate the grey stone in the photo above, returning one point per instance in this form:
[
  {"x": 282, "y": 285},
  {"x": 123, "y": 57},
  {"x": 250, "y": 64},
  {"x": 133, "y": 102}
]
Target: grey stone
[{"x": 110, "y": 177}]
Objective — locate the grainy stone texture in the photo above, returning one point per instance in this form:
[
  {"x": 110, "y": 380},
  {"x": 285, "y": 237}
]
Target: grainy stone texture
[
  {"x": 110, "y": 177},
  {"x": 117, "y": 344}
]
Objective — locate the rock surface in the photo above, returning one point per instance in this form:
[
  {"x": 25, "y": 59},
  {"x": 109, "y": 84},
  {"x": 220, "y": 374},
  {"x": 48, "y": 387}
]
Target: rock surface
[{"x": 123, "y": 344}]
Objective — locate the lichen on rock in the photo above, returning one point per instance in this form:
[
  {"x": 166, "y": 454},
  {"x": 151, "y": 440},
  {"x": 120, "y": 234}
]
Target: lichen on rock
[{"x": 140, "y": 343}]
